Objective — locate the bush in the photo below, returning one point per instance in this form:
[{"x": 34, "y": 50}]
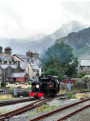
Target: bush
[
  {"x": 61, "y": 77},
  {"x": 70, "y": 95},
  {"x": 80, "y": 75}
]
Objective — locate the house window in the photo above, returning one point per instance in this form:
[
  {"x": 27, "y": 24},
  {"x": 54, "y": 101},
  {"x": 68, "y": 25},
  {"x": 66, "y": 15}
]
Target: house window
[
  {"x": 5, "y": 62},
  {"x": 81, "y": 67}
]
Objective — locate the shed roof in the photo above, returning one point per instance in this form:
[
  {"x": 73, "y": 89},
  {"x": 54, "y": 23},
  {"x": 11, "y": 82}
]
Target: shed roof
[
  {"x": 18, "y": 75},
  {"x": 85, "y": 63}
]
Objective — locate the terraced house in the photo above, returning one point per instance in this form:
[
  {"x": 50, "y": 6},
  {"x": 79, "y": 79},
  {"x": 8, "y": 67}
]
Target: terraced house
[{"x": 17, "y": 65}]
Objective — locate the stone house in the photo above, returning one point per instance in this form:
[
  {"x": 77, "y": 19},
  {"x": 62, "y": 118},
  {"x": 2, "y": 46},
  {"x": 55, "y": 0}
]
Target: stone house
[
  {"x": 33, "y": 61},
  {"x": 5, "y": 71},
  {"x": 84, "y": 66},
  {"x": 28, "y": 69}
]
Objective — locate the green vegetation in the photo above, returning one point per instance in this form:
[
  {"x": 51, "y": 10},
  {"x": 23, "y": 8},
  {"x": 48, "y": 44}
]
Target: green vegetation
[
  {"x": 11, "y": 90},
  {"x": 62, "y": 91},
  {"x": 51, "y": 71},
  {"x": 59, "y": 60},
  {"x": 80, "y": 75},
  {"x": 6, "y": 97},
  {"x": 28, "y": 82},
  {"x": 5, "y": 86},
  {"x": 70, "y": 95},
  {"x": 4, "y": 111},
  {"x": 42, "y": 108}
]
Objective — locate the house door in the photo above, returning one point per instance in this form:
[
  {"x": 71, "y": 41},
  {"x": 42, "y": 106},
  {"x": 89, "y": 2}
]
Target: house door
[
  {"x": 14, "y": 79},
  {"x": 25, "y": 80}
]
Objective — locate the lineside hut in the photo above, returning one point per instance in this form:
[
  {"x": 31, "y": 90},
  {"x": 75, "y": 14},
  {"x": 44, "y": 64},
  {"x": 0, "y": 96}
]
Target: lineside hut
[{"x": 18, "y": 77}]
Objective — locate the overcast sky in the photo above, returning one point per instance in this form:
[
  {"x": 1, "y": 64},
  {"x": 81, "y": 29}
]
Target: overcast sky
[{"x": 25, "y": 18}]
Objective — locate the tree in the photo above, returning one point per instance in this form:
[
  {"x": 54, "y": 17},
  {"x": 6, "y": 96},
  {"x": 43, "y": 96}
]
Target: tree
[
  {"x": 51, "y": 71},
  {"x": 60, "y": 56},
  {"x": 71, "y": 69}
]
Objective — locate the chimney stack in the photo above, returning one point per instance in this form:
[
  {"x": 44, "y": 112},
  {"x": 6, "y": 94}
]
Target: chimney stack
[
  {"x": 32, "y": 54},
  {"x": 8, "y": 51},
  {"x": 1, "y": 50},
  {"x": 29, "y": 53}
]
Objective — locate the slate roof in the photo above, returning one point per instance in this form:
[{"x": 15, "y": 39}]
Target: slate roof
[
  {"x": 18, "y": 75},
  {"x": 13, "y": 66},
  {"x": 27, "y": 58},
  {"x": 4, "y": 66},
  {"x": 85, "y": 63},
  {"x": 22, "y": 56},
  {"x": 23, "y": 65}
]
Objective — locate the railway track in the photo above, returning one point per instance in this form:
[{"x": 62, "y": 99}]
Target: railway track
[
  {"x": 10, "y": 102},
  {"x": 44, "y": 116},
  {"x": 28, "y": 107},
  {"x": 73, "y": 113},
  {"x": 24, "y": 108}
]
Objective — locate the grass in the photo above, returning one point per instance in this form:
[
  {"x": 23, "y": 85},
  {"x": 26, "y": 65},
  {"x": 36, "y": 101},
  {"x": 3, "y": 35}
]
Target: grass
[
  {"x": 42, "y": 108},
  {"x": 70, "y": 95},
  {"x": 80, "y": 95},
  {"x": 3, "y": 111},
  {"x": 6, "y": 97},
  {"x": 75, "y": 90},
  {"x": 62, "y": 91}
]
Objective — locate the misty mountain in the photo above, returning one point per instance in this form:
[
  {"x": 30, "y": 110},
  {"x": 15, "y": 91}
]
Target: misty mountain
[
  {"x": 79, "y": 41},
  {"x": 65, "y": 29},
  {"x": 40, "y": 44}
]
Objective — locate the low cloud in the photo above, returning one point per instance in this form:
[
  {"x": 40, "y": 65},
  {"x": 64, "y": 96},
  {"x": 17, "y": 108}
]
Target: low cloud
[{"x": 24, "y": 19}]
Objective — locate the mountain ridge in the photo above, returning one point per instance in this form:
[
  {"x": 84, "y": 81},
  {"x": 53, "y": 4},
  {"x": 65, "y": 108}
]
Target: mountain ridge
[{"x": 40, "y": 45}]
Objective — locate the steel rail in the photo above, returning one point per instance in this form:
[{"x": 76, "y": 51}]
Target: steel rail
[
  {"x": 57, "y": 110},
  {"x": 24, "y": 109},
  {"x": 73, "y": 113}
]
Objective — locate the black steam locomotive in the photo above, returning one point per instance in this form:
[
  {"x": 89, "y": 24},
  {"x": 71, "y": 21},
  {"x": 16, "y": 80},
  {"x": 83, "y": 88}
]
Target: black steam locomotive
[{"x": 47, "y": 86}]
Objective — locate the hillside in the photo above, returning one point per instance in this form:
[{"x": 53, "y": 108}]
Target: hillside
[{"x": 79, "y": 41}]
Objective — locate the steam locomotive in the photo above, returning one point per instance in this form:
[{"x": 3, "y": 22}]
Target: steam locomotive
[{"x": 45, "y": 87}]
